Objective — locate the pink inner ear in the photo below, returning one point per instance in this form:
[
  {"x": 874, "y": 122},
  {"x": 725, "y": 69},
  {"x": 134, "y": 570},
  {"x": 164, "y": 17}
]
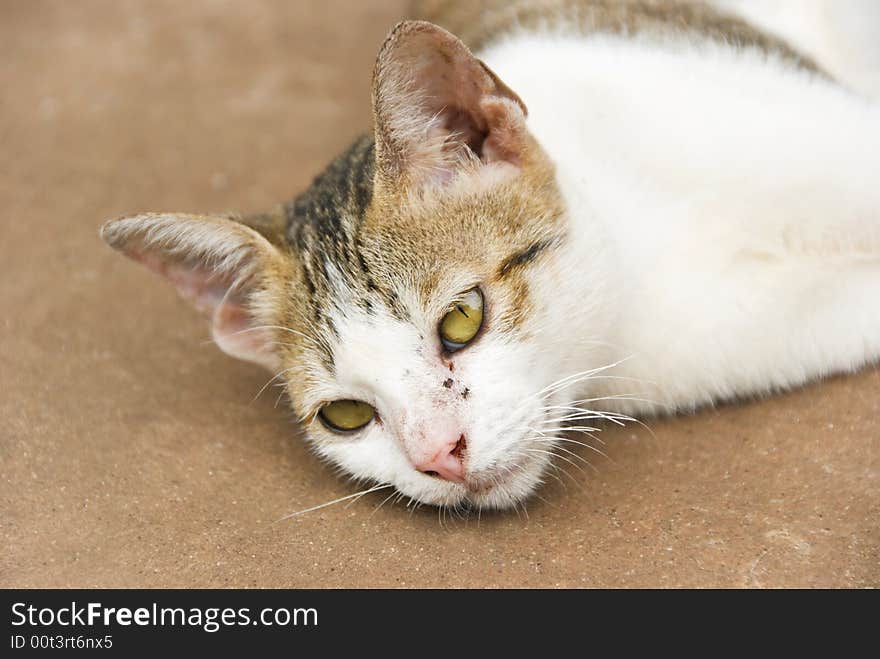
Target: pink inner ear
[
  {"x": 234, "y": 331},
  {"x": 233, "y": 328},
  {"x": 463, "y": 108},
  {"x": 196, "y": 284},
  {"x": 467, "y": 103}
]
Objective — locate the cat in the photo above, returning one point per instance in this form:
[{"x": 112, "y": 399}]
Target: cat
[{"x": 618, "y": 209}]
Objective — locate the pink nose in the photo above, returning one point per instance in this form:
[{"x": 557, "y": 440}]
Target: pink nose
[{"x": 447, "y": 462}]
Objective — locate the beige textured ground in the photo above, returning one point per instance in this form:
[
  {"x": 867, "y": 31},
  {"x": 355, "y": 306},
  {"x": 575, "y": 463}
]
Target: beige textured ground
[{"x": 132, "y": 452}]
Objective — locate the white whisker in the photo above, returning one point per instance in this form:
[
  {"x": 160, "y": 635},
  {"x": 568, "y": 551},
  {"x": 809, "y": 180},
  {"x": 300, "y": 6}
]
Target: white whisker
[{"x": 335, "y": 501}]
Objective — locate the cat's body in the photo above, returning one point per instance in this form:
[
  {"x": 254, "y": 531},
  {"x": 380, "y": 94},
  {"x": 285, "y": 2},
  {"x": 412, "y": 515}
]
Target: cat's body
[
  {"x": 736, "y": 200},
  {"x": 691, "y": 212}
]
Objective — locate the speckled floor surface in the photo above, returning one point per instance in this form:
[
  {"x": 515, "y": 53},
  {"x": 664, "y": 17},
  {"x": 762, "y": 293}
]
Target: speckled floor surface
[{"x": 133, "y": 452}]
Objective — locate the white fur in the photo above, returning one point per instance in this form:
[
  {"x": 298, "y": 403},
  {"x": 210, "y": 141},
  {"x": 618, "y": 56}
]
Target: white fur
[
  {"x": 396, "y": 367},
  {"x": 740, "y": 198},
  {"x": 840, "y": 34}
]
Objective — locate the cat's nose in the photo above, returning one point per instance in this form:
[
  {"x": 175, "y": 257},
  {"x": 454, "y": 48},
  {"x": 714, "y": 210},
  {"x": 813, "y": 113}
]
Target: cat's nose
[{"x": 447, "y": 462}]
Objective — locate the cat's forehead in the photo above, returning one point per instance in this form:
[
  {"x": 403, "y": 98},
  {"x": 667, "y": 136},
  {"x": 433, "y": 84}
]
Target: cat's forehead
[{"x": 347, "y": 236}]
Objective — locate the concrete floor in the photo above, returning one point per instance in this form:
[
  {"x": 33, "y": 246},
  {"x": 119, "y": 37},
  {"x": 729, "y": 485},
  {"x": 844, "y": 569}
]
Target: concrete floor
[{"x": 133, "y": 452}]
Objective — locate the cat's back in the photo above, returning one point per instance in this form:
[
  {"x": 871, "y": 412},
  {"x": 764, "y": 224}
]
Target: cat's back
[{"x": 485, "y": 23}]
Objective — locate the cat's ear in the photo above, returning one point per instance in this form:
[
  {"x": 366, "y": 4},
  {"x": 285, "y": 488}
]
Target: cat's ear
[
  {"x": 221, "y": 266},
  {"x": 438, "y": 109}
]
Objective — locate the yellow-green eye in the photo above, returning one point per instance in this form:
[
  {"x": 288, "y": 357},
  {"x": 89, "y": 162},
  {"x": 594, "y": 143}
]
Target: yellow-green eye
[
  {"x": 346, "y": 415},
  {"x": 461, "y": 324}
]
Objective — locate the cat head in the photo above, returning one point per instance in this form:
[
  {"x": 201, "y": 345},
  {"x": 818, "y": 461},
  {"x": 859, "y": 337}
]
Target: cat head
[{"x": 414, "y": 299}]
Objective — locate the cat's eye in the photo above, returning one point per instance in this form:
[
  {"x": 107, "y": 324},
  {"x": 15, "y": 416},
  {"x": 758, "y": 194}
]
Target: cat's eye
[
  {"x": 346, "y": 415},
  {"x": 462, "y": 322}
]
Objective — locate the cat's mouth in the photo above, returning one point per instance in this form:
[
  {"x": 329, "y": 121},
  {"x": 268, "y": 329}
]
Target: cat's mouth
[
  {"x": 497, "y": 477},
  {"x": 513, "y": 479},
  {"x": 499, "y": 487}
]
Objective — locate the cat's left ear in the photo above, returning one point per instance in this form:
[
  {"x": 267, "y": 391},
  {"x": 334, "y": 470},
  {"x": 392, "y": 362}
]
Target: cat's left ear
[
  {"x": 224, "y": 268},
  {"x": 438, "y": 109}
]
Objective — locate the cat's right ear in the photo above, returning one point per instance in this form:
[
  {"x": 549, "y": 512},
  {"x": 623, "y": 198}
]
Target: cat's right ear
[
  {"x": 439, "y": 111},
  {"x": 222, "y": 267}
]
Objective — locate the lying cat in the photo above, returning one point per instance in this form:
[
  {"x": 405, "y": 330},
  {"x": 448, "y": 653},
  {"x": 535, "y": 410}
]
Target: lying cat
[{"x": 688, "y": 211}]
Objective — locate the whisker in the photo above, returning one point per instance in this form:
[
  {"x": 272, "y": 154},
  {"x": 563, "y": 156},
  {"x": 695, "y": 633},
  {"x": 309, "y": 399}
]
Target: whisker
[
  {"x": 335, "y": 501},
  {"x": 274, "y": 377},
  {"x": 614, "y": 417},
  {"x": 568, "y": 440},
  {"x": 278, "y": 327},
  {"x": 556, "y": 455},
  {"x": 382, "y": 503},
  {"x": 553, "y": 440},
  {"x": 617, "y": 396},
  {"x": 280, "y": 396},
  {"x": 575, "y": 455},
  {"x": 570, "y": 379}
]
